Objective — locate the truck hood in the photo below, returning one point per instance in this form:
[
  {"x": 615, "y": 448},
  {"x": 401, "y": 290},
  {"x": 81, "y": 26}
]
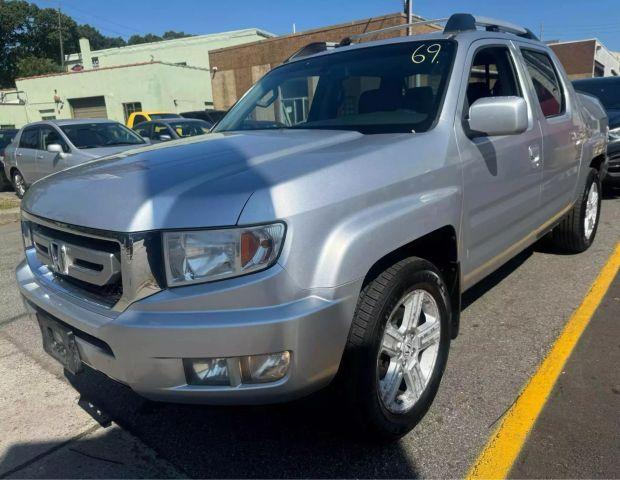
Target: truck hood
[
  {"x": 191, "y": 183},
  {"x": 107, "y": 151}
]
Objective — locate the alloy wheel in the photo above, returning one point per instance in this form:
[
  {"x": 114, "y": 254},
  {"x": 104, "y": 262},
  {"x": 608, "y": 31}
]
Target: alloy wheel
[
  {"x": 591, "y": 213},
  {"x": 408, "y": 351}
]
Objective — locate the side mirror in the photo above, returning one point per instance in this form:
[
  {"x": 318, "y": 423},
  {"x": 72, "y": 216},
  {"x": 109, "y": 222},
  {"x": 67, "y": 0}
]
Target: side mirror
[
  {"x": 55, "y": 148},
  {"x": 165, "y": 138},
  {"x": 146, "y": 139},
  {"x": 498, "y": 116}
]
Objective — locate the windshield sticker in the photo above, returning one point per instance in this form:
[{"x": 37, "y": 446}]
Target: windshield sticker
[{"x": 425, "y": 53}]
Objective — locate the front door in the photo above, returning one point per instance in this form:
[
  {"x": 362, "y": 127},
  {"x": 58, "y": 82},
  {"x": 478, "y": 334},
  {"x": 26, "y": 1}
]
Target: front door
[
  {"x": 562, "y": 144},
  {"x": 52, "y": 162},
  {"x": 501, "y": 174}
]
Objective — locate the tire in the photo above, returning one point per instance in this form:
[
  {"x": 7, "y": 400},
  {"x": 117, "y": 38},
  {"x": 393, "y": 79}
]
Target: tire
[
  {"x": 369, "y": 373},
  {"x": 575, "y": 233},
  {"x": 19, "y": 184}
]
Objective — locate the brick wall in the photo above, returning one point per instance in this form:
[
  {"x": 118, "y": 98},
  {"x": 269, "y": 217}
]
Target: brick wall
[
  {"x": 576, "y": 57},
  {"x": 240, "y": 66}
]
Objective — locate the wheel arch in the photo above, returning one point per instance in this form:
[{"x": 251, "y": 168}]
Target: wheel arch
[{"x": 440, "y": 247}]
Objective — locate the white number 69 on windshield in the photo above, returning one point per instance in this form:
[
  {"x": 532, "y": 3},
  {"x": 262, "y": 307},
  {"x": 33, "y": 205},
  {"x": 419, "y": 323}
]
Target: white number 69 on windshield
[{"x": 432, "y": 50}]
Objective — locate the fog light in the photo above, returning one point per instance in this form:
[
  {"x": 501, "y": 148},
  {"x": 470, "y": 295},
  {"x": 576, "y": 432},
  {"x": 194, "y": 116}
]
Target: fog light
[
  {"x": 265, "y": 368},
  {"x": 207, "y": 371}
]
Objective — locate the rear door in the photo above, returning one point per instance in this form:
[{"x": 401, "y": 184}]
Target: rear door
[
  {"x": 26, "y": 153},
  {"x": 501, "y": 174},
  {"x": 51, "y": 162},
  {"x": 562, "y": 135}
]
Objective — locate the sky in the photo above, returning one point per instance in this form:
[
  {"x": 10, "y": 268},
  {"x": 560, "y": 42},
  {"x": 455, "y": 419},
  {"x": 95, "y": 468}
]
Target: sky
[{"x": 559, "y": 20}]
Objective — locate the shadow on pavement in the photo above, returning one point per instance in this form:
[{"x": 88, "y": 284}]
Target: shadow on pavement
[
  {"x": 306, "y": 438},
  {"x": 97, "y": 453}
]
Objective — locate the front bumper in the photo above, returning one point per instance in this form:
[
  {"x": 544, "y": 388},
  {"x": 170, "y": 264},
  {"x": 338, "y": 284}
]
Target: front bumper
[
  {"x": 613, "y": 162},
  {"x": 260, "y": 313}
]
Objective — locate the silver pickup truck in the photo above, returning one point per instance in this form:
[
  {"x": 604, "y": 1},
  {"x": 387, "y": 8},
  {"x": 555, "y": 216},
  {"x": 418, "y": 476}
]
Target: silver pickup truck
[{"x": 326, "y": 229}]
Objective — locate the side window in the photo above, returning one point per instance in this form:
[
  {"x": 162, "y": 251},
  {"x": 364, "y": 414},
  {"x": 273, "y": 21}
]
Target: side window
[
  {"x": 143, "y": 129},
  {"x": 159, "y": 129},
  {"x": 50, "y": 135},
  {"x": 492, "y": 74},
  {"x": 546, "y": 82},
  {"x": 30, "y": 138}
]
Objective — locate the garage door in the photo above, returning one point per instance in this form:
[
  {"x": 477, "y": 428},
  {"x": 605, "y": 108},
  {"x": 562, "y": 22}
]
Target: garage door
[{"x": 90, "y": 107}]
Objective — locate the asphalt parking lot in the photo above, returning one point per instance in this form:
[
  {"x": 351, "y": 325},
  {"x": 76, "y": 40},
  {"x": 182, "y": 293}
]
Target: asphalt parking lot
[{"x": 509, "y": 322}]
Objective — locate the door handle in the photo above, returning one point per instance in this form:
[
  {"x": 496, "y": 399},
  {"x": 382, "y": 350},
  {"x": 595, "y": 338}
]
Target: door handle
[
  {"x": 534, "y": 155},
  {"x": 19, "y": 154},
  {"x": 39, "y": 156}
]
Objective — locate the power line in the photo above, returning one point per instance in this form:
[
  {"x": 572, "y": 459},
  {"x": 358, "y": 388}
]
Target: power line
[{"x": 100, "y": 18}]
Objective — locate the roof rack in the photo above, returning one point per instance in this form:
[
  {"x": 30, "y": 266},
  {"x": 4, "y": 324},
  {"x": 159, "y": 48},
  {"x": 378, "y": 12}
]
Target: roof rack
[
  {"x": 462, "y": 22},
  {"x": 311, "y": 49},
  {"x": 456, "y": 23},
  {"x": 348, "y": 40}
]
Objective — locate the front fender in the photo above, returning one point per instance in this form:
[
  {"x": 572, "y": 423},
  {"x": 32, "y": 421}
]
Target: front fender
[{"x": 367, "y": 236}]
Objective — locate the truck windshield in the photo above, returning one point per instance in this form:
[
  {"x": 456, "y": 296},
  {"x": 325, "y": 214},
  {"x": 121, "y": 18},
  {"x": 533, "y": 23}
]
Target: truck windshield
[
  {"x": 384, "y": 89},
  {"x": 96, "y": 135}
]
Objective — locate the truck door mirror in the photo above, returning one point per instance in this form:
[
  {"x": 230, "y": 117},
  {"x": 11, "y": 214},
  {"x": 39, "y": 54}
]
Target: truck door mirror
[{"x": 498, "y": 116}]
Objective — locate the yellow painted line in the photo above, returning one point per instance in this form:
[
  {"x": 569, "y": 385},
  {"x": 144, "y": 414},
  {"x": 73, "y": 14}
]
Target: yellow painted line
[{"x": 502, "y": 449}]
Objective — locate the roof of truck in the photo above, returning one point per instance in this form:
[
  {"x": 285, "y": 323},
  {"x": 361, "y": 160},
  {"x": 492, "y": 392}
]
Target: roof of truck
[{"x": 467, "y": 34}]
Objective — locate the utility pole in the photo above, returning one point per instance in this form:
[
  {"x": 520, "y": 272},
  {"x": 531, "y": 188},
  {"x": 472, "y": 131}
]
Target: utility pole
[
  {"x": 540, "y": 37},
  {"x": 409, "y": 11},
  {"x": 62, "y": 50}
]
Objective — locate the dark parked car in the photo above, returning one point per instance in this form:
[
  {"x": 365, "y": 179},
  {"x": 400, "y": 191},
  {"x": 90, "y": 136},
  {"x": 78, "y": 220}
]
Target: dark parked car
[
  {"x": 6, "y": 137},
  {"x": 607, "y": 90},
  {"x": 211, "y": 116},
  {"x": 172, "y": 129}
]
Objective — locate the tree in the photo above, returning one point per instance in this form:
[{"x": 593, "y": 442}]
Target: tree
[
  {"x": 149, "y": 37},
  {"x": 30, "y": 65},
  {"x": 29, "y": 43},
  {"x": 171, "y": 35},
  {"x": 97, "y": 40}
]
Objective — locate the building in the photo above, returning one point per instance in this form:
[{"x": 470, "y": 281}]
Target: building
[
  {"x": 236, "y": 68},
  {"x": 170, "y": 76},
  {"x": 586, "y": 58}
]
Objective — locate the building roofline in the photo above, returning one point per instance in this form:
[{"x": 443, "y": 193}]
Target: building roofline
[
  {"x": 129, "y": 65},
  {"x": 316, "y": 30},
  {"x": 559, "y": 42},
  {"x": 193, "y": 38}
]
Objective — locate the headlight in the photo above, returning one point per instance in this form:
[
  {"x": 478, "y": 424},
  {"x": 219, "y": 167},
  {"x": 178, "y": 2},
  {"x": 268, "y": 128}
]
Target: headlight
[
  {"x": 197, "y": 256},
  {"x": 614, "y": 134}
]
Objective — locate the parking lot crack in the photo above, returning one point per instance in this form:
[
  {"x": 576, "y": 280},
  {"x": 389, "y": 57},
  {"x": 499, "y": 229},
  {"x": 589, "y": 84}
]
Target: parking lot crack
[{"x": 49, "y": 451}]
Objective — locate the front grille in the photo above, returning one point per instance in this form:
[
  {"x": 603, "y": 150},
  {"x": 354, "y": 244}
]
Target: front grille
[{"x": 108, "y": 269}]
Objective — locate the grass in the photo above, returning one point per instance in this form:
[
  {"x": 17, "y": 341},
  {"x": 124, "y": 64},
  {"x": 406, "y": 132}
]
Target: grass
[{"x": 8, "y": 203}]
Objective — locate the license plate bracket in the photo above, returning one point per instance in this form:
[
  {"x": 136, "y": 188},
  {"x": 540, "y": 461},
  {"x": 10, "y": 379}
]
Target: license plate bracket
[{"x": 59, "y": 342}]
